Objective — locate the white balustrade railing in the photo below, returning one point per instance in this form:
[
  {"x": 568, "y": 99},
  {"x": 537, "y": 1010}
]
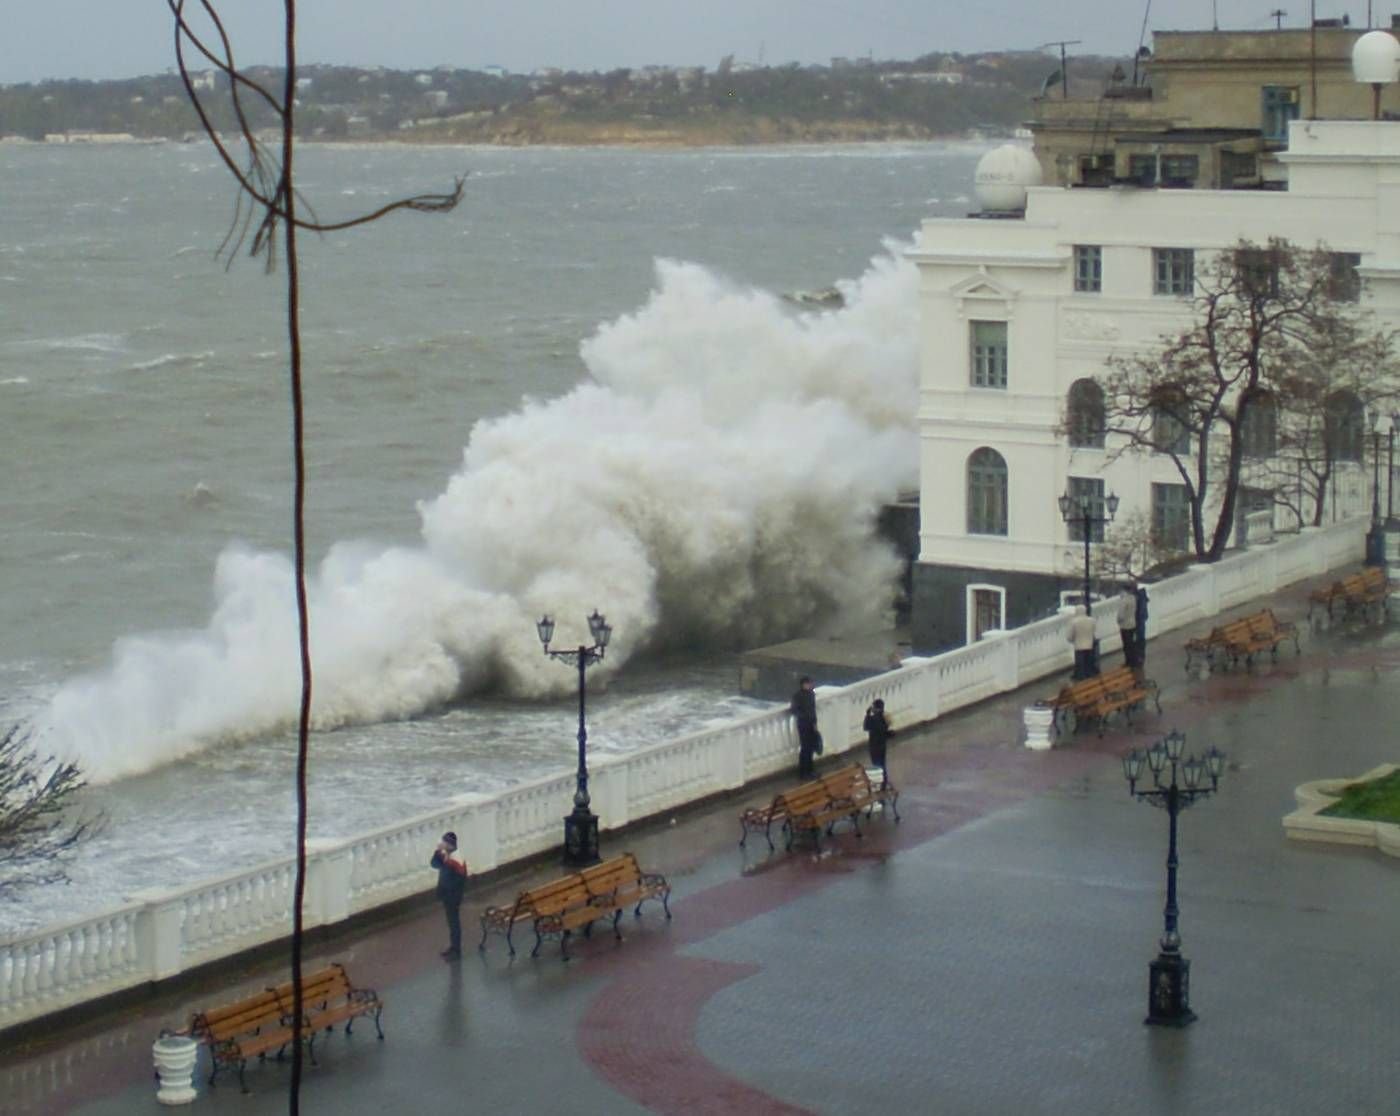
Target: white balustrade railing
[{"x": 159, "y": 934}]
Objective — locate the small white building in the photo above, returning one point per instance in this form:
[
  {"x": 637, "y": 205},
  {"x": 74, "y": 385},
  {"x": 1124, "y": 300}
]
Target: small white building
[{"x": 1024, "y": 302}]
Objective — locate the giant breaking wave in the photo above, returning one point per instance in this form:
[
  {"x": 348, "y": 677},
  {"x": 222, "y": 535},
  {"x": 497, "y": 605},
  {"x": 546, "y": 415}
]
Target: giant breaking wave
[{"x": 716, "y": 484}]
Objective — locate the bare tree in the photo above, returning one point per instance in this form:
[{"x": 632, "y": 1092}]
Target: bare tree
[
  {"x": 1276, "y": 330},
  {"x": 269, "y": 203},
  {"x": 1132, "y": 550},
  {"x": 38, "y": 829}
]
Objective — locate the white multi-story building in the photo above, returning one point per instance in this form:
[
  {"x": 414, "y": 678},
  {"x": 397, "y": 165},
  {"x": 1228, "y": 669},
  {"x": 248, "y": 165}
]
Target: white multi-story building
[{"x": 1018, "y": 308}]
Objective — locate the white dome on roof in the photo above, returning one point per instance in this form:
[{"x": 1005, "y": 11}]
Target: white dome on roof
[
  {"x": 1375, "y": 58},
  {"x": 1003, "y": 175}
]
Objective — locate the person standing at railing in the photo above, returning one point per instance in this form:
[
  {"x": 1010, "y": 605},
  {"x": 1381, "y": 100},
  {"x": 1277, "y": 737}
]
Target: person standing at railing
[
  {"x": 451, "y": 885},
  {"x": 878, "y": 732},
  {"x": 1141, "y": 661},
  {"x": 809, "y": 740},
  {"x": 1127, "y": 627},
  {"x": 1081, "y": 637}
]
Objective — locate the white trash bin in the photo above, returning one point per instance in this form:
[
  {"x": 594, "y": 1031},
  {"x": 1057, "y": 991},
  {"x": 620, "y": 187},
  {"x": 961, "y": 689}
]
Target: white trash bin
[{"x": 175, "y": 1057}]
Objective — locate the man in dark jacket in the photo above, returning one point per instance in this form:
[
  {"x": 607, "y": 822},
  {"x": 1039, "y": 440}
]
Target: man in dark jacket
[
  {"x": 452, "y": 882},
  {"x": 804, "y": 711}
]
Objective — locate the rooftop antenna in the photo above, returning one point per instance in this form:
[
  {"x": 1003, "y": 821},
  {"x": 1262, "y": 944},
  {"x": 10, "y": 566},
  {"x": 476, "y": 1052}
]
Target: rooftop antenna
[
  {"x": 1142, "y": 35},
  {"x": 1277, "y": 16},
  {"x": 1064, "y": 65}
]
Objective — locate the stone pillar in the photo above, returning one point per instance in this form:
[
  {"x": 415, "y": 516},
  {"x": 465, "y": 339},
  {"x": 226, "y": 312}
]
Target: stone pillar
[
  {"x": 478, "y": 839},
  {"x": 158, "y": 927},
  {"x": 328, "y": 867}
]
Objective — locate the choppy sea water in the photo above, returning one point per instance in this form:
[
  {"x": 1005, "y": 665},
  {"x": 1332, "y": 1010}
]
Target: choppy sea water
[{"x": 686, "y": 489}]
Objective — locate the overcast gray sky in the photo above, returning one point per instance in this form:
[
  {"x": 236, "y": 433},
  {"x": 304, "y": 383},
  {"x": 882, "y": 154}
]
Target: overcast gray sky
[{"x": 126, "y": 38}]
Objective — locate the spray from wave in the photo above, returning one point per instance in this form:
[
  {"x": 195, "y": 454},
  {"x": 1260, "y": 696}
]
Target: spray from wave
[{"x": 715, "y": 485}]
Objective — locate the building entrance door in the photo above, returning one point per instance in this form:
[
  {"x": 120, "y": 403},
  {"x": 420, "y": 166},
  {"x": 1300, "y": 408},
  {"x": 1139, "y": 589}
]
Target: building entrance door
[{"x": 986, "y": 612}]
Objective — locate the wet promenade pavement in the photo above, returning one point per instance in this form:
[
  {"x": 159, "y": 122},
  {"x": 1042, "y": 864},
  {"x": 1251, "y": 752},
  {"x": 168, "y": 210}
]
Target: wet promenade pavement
[{"x": 987, "y": 955}]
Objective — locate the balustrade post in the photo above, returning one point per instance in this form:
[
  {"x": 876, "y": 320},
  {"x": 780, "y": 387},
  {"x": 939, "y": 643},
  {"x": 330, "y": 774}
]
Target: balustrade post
[
  {"x": 729, "y": 762},
  {"x": 834, "y": 720},
  {"x": 159, "y": 925},
  {"x": 1008, "y": 660},
  {"x": 607, "y": 785},
  {"x": 1208, "y": 592},
  {"x": 328, "y": 864},
  {"x": 478, "y": 836}
]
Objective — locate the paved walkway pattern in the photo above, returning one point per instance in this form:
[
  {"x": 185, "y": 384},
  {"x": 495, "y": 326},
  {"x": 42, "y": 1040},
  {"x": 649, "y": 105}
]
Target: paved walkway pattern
[{"x": 988, "y": 955}]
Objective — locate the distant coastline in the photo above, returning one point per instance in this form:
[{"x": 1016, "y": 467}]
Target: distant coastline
[
  {"x": 571, "y": 133},
  {"x": 934, "y": 97}
]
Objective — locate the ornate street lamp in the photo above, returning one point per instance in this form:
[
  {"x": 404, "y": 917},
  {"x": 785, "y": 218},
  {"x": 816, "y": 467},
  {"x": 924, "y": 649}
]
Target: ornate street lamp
[
  {"x": 1169, "y": 975},
  {"x": 1375, "y": 537},
  {"x": 581, "y": 826},
  {"x": 1081, "y": 511}
]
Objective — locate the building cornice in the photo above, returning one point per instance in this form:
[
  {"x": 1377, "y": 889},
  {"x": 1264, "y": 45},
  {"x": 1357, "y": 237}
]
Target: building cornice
[{"x": 972, "y": 258}]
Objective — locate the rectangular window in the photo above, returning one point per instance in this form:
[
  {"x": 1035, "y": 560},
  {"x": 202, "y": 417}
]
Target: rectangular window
[
  {"x": 1171, "y": 517},
  {"x": 1088, "y": 267},
  {"x": 1180, "y": 170},
  {"x": 1174, "y": 271},
  {"x": 1096, "y": 170},
  {"x": 1345, "y": 280},
  {"x": 1257, "y": 269},
  {"x": 1143, "y": 169},
  {"x": 989, "y": 354},
  {"x": 1237, "y": 167},
  {"x": 1081, "y": 489},
  {"x": 1278, "y": 105},
  {"x": 1170, "y": 434}
]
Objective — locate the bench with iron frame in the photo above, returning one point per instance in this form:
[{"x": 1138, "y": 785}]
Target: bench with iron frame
[
  {"x": 328, "y": 997},
  {"x": 775, "y": 813},
  {"x": 602, "y": 891},
  {"x": 1360, "y": 590},
  {"x": 1119, "y": 690},
  {"x": 252, "y": 1027}
]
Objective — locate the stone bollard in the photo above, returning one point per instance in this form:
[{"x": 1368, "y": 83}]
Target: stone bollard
[
  {"x": 175, "y": 1056},
  {"x": 1039, "y": 720}
]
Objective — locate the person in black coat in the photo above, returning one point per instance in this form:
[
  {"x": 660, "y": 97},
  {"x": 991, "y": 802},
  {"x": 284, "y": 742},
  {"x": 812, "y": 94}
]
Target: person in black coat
[
  {"x": 877, "y": 728},
  {"x": 451, "y": 884},
  {"x": 1141, "y": 660},
  {"x": 809, "y": 740}
]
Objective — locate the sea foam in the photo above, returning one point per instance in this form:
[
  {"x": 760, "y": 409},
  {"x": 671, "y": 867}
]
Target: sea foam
[{"x": 714, "y": 485}]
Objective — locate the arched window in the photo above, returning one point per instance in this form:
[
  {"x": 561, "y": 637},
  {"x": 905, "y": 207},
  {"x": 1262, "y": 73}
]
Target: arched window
[
  {"x": 1170, "y": 433},
  {"x": 1259, "y": 430},
  {"x": 1086, "y": 415},
  {"x": 986, "y": 492},
  {"x": 1345, "y": 429}
]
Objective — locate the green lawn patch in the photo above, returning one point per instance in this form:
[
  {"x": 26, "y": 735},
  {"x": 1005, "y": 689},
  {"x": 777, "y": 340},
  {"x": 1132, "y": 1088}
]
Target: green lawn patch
[{"x": 1374, "y": 800}]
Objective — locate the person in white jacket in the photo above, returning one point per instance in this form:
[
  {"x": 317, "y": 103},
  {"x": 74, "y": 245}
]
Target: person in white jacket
[
  {"x": 1127, "y": 626},
  {"x": 1081, "y": 637}
]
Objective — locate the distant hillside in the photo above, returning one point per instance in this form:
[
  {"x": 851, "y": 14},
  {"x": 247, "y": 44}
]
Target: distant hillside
[{"x": 936, "y": 95}]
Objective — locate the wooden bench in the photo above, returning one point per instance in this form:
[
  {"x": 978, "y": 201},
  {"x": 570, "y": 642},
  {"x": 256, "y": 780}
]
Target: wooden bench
[
  {"x": 1240, "y": 639},
  {"x": 502, "y": 920},
  {"x": 1262, "y": 631},
  {"x": 799, "y": 806},
  {"x": 850, "y": 791},
  {"x": 329, "y": 997},
  {"x": 247, "y": 1028},
  {"x": 1096, "y": 699},
  {"x": 765, "y": 817},
  {"x": 599, "y": 892},
  {"x": 1360, "y": 590}
]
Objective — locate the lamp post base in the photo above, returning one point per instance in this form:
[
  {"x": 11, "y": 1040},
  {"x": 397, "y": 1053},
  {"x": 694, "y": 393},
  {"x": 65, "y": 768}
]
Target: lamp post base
[
  {"x": 1168, "y": 990},
  {"x": 580, "y": 839}
]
